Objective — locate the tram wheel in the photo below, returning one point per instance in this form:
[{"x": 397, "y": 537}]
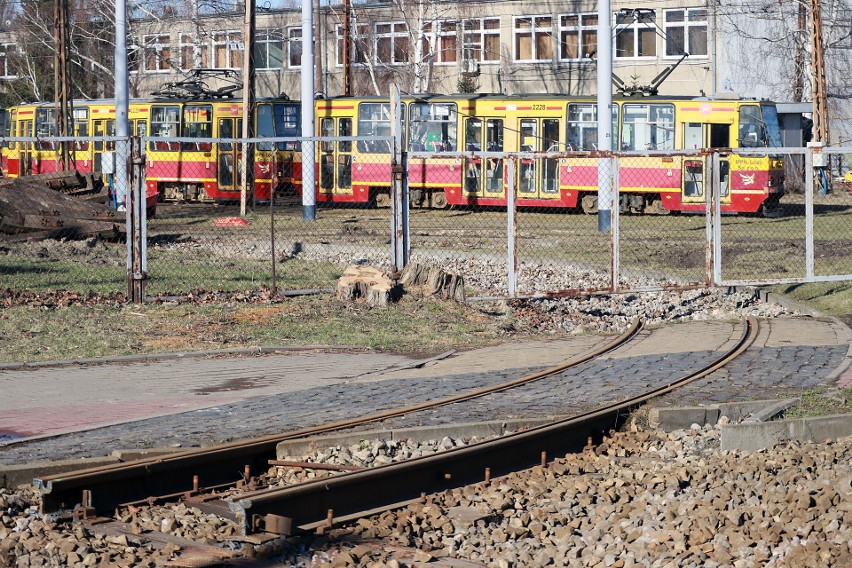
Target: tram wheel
[
  {"x": 439, "y": 200},
  {"x": 383, "y": 200},
  {"x": 590, "y": 204}
]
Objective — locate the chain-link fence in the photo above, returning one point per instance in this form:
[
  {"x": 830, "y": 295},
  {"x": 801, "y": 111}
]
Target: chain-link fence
[{"x": 511, "y": 223}]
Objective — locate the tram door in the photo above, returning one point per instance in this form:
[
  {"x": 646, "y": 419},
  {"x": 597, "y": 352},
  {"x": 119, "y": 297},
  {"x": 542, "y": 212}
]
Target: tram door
[
  {"x": 104, "y": 152},
  {"x": 483, "y": 177},
  {"x": 335, "y": 157},
  {"x": 26, "y": 130},
  {"x": 228, "y": 170},
  {"x": 697, "y": 169},
  {"x": 538, "y": 178}
]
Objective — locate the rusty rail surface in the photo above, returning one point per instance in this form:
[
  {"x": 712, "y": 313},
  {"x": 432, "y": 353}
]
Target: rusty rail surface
[
  {"x": 104, "y": 488},
  {"x": 320, "y": 503}
]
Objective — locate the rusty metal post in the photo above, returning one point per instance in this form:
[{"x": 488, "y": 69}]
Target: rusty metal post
[
  {"x": 709, "y": 280},
  {"x": 400, "y": 246},
  {"x": 511, "y": 227},
  {"x": 137, "y": 227}
]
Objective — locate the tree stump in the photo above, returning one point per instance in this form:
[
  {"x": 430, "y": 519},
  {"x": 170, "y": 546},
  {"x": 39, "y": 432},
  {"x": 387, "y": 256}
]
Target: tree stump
[
  {"x": 431, "y": 281},
  {"x": 366, "y": 282}
]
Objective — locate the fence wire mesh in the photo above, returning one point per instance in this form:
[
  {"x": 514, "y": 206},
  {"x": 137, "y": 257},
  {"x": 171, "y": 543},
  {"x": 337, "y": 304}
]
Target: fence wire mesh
[
  {"x": 201, "y": 238},
  {"x": 511, "y": 223},
  {"x": 59, "y": 226}
]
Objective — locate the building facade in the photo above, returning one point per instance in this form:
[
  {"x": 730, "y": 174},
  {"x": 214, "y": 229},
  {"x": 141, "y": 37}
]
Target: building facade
[{"x": 509, "y": 47}]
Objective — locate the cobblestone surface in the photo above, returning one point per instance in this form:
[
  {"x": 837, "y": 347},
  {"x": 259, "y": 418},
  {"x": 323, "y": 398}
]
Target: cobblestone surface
[{"x": 763, "y": 372}]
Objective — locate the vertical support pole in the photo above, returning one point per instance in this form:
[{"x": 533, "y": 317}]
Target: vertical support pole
[
  {"x": 809, "y": 212},
  {"x": 309, "y": 162},
  {"x": 138, "y": 228},
  {"x": 399, "y": 200},
  {"x": 272, "y": 232},
  {"x": 716, "y": 190},
  {"x": 122, "y": 103},
  {"x": 604, "y": 84},
  {"x": 347, "y": 49},
  {"x": 512, "y": 224},
  {"x": 616, "y": 225},
  {"x": 708, "y": 229},
  {"x": 247, "y": 154}
]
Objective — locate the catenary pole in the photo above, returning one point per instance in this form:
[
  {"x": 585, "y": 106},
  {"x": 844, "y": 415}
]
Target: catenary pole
[
  {"x": 309, "y": 207},
  {"x": 604, "y": 58}
]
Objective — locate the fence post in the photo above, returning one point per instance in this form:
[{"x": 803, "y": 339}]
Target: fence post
[
  {"x": 511, "y": 226},
  {"x": 615, "y": 261},
  {"x": 716, "y": 194},
  {"x": 708, "y": 225},
  {"x": 809, "y": 211},
  {"x": 399, "y": 184},
  {"x": 137, "y": 228}
]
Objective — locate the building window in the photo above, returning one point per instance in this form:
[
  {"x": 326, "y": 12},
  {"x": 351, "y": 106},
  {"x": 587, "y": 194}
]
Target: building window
[
  {"x": 686, "y": 32},
  {"x": 157, "y": 52},
  {"x": 635, "y": 34},
  {"x": 359, "y": 49},
  {"x": 533, "y": 38},
  {"x": 7, "y": 50},
  {"x": 392, "y": 43},
  {"x": 294, "y": 47},
  {"x": 445, "y": 38},
  {"x": 193, "y": 54},
  {"x": 482, "y": 40},
  {"x": 578, "y": 36},
  {"x": 269, "y": 49},
  {"x": 227, "y": 50}
]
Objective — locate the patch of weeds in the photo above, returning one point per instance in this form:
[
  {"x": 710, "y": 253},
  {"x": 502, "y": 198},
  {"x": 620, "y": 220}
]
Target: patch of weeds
[{"x": 822, "y": 401}]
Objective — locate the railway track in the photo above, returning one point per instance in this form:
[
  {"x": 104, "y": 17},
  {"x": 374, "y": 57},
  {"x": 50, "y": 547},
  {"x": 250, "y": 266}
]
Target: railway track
[
  {"x": 191, "y": 473},
  {"x": 264, "y": 514}
]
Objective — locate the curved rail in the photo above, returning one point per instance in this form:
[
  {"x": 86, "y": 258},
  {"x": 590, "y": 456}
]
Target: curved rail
[
  {"x": 351, "y": 495},
  {"x": 106, "y": 487}
]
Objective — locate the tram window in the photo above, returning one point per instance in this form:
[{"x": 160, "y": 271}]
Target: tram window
[
  {"x": 45, "y": 126},
  {"x": 773, "y": 127},
  {"x": 345, "y": 129},
  {"x": 550, "y": 133},
  {"x": 197, "y": 123},
  {"x": 583, "y": 126},
  {"x": 528, "y": 135},
  {"x": 5, "y": 125},
  {"x": 265, "y": 126},
  {"x": 81, "y": 128},
  {"x": 433, "y": 127},
  {"x": 288, "y": 125},
  {"x": 165, "y": 121},
  {"x": 648, "y": 127},
  {"x": 751, "y": 131},
  {"x": 472, "y": 134},
  {"x": 374, "y": 120},
  {"x": 494, "y": 135},
  {"x": 327, "y": 131}
]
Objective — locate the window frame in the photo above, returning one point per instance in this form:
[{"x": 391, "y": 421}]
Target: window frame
[
  {"x": 533, "y": 31},
  {"x": 634, "y": 27},
  {"x": 199, "y": 50},
  {"x": 294, "y": 43},
  {"x": 481, "y": 34},
  {"x": 151, "y": 46},
  {"x": 234, "y": 44},
  {"x": 685, "y": 25},
  {"x": 264, "y": 39},
  {"x": 393, "y": 36},
  {"x": 581, "y": 29}
]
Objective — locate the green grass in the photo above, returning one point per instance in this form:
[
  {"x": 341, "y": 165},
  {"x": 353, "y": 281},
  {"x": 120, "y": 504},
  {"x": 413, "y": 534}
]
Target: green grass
[
  {"x": 832, "y": 298},
  {"x": 822, "y": 401},
  {"x": 414, "y": 326}
]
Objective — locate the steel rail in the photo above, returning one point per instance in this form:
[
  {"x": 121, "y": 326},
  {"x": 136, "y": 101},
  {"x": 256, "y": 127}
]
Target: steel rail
[
  {"x": 319, "y": 503},
  {"x": 102, "y": 489}
]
